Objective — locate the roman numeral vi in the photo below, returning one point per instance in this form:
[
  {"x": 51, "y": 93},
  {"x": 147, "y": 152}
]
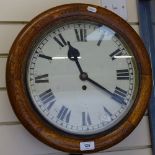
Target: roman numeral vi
[{"x": 64, "y": 114}]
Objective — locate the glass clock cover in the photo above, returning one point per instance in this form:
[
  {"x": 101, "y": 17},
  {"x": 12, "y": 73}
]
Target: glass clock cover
[{"x": 82, "y": 77}]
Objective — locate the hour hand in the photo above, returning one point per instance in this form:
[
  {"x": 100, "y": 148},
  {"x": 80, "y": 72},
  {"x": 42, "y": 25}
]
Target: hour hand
[{"x": 73, "y": 55}]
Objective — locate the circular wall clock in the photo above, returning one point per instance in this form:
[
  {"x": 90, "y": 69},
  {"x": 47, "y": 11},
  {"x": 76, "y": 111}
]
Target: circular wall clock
[{"x": 79, "y": 78}]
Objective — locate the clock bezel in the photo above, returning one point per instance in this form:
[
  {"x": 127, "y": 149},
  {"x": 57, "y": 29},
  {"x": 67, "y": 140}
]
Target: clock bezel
[
  {"x": 16, "y": 71},
  {"x": 35, "y": 43}
]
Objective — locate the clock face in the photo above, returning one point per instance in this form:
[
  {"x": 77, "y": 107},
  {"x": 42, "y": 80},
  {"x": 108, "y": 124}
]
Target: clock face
[{"x": 82, "y": 77}]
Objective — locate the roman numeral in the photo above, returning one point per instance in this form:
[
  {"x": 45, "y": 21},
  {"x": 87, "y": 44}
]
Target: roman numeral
[
  {"x": 47, "y": 98},
  {"x": 86, "y": 119},
  {"x": 45, "y": 57},
  {"x": 64, "y": 114},
  {"x": 60, "y": 40},
  {"x": 123, "y": 74},
  {"x": 100, "y": 40},
  {"x": 81, "y": 35},
  {"x": 117, "y": 52},
  {"x": 42, "y": 79},
  {"x": 107, "y": 111},
  {"x": 119, "y": 95}
]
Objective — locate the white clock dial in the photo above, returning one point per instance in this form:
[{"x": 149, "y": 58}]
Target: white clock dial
[{"x": 82, "y": 77}]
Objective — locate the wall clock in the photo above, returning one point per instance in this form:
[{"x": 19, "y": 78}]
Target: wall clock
[{"x": 79, "y": 78}]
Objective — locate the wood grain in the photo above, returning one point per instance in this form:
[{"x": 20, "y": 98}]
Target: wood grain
[
  {"x": 20, "y": 142},
  {"x": 21, "y": 10},
  {"x": 20, "y": 101},
  {"x": 8, "y": 33},
  {"x": 12, "y": 13}
]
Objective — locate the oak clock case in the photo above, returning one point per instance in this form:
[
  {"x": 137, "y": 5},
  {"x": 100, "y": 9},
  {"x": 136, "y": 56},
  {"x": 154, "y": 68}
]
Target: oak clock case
[{"x": 79, "y": 78}]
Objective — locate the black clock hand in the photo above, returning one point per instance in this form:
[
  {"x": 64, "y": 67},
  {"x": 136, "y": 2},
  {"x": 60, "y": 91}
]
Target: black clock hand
[
  {"x": 98, "y": 85},
  {"x": 113, "y": 95},
  {"x": 84, "y": 77},
  {"x": 73, "y": 55}
]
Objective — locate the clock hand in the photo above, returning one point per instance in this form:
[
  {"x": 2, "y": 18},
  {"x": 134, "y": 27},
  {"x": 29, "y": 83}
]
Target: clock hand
[
  {"x": 84, "y": 77},
  {"x": 73, "y": 55},
  {"x": 113, "y": 95},
  {"x": 100, "y": 86}
]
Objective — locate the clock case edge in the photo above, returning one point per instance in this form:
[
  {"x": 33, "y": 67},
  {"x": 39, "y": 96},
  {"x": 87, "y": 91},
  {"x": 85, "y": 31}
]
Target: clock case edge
[{"x": 18, "y": 95}]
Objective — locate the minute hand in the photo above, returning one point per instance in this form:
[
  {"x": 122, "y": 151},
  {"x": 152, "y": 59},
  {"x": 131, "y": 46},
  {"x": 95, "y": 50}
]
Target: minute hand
[
  {"x": 113, "y": 95},
  {"x": 98, "y": 85}
]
